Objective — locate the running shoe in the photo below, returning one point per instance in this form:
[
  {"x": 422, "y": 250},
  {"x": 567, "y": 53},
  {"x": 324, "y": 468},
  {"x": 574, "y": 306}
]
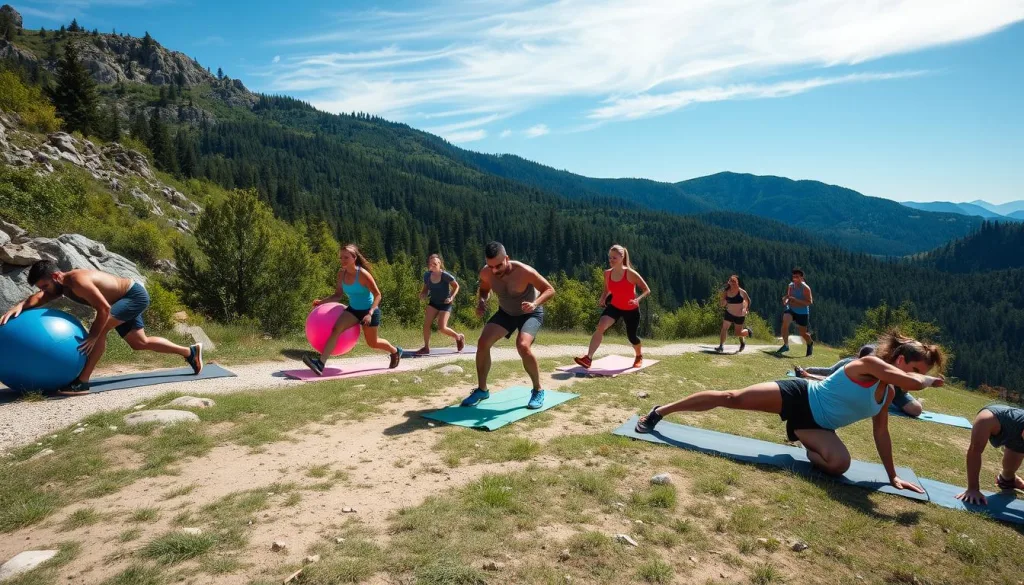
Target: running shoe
[
  {"x": 638, "y": 361},
  {"x": 195, "y": 358},
  {"x": 720, "y": 349},
  {"x": 476, "y": 397},
  {"x": 1006, "y": 484},
  {"x": 536, "y": 400},
  {"x": 783, "y": 349},
  {"x": 584, "y": 362},
  {"x": 810, "y": 349},
  {"x": 460, "y": 342},
  {"x": 743, "y": 345},
  {"x": 647, "y": 423},
  {"x": 396, "y": 358},
  {"x": 75, "y": 388},
  {"x": 423, "y": 351},
  {"x": 312, "y": 362}
]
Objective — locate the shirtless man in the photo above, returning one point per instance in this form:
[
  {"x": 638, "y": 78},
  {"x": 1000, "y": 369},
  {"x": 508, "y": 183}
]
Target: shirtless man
[
  {"x": 119, "y": 304},
  {"x": 521, "y": 291}
]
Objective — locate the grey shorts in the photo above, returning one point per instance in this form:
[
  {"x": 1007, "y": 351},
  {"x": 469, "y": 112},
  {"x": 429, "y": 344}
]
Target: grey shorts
[
  {"x": 129, "y": 309},
  {"x": 529, "y": 323}
]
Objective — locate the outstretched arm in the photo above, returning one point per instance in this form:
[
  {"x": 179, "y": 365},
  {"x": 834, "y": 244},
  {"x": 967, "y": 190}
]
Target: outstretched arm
[
  {"x": 37, "y": 299},
  {"x": 883, "y": 443},
  {"x": 984, "y": 425},
  {"x": 875, "y": 367}
]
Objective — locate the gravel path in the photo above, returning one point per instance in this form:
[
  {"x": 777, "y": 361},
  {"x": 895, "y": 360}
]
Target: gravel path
[{"x": 24, "y": 422}]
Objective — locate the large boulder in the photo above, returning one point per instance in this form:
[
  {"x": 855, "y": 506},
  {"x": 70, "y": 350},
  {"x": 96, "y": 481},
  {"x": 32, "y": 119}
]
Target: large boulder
[
  {"x": 72, "y": 251},
  {"x": 16, "y": 233},
  {"x": 9, "y": 14},
  {"x": 127, "y": 160},
  {"x": 179, "y": 200},
  {"x": 154, "y": 208},
  {"x": 19, "y": 255}
]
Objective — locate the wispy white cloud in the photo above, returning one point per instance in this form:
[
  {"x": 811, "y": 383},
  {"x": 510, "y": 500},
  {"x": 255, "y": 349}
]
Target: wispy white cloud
[
  {"x": 621, "y": 59},
  {"x": 505, "y": 133},
  {"x": 466, "y": 136},
  {"x": 276, "y": 59},
  {"x": 647, "y": 104},
  {"x": 537, "y": 130}
]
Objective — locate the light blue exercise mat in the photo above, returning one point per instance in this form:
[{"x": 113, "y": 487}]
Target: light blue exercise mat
[
  {"x": 154, "y": 377},
  {"x": 503, "y": 407},
  {"x": 871, "y": 476},
  {"x": 1002, "y": 506}
]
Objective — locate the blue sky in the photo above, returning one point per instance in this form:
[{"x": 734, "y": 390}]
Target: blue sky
[{"x": 910, "y": 100}]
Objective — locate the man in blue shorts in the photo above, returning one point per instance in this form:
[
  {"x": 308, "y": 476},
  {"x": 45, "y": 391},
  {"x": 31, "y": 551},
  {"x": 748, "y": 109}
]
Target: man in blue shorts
[
  {"x": 521, "y": 292},
  {"x": 119, "y": 304},
  {"x": 798, "y": 301}
]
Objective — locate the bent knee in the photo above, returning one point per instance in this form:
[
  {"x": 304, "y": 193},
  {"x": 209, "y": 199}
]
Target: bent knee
[
  {"x": 838, "y": 465},
  {"x": 138, "y": 344},
  {"x": 523, "y": 348}
]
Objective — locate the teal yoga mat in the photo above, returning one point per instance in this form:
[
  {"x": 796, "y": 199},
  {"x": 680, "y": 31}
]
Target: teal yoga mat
[
  {"x": 503, "y": 407},
  {"x": 871, "y": 476},
  {"x": 1003, "y": 506}
]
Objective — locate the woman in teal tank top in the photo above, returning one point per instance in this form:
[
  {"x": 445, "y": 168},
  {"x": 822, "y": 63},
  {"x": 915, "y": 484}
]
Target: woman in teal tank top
[
  {"x": 357, "y": 284},
  {"x": 813, "y": 410}
]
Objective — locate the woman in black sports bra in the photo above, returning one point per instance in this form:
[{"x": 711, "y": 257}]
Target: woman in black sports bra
[{"x": 736, "y": 304}]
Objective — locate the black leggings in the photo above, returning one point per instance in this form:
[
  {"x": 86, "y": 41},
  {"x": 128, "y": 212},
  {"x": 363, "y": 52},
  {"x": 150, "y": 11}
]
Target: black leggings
[{"x": 630, "y": 318}]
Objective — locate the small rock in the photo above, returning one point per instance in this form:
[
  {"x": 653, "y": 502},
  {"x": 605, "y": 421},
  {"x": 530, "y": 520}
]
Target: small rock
[
  {"x": 25, "y": 562},
  {"x": 492, "y": 566},
  {"x": 626, "y": 539},
  {"x": 41, "y": 454},
  {"x": 619, "y": 505},
  {"x": 359, "y": 387},
  {"x": 77, "y": 431},
  {"x": 278, "y": 545},
  {"x": 347, "y": 510},
  {"x": 762, "y": 541},
  {"x": 181, "y": 316},
  {"x": 394, "y": 380},
  {"x": 162, "y": 417},
  {"x": 311, "y": 559},
  {"x": 642, "y": 395},
  {"x": 729, "y": 498},
  {"x": 564, "y": 555},
  {"x": 138, "y": 407},
  {"x": 112, "y": 428},
  {"x": 661, "y": 479},
  {"x": 638, "y": 521},
  {"x": 693, "y": 560},
  {"x": 800, "y": 547},
  {"x": 191, "y": 402},
  {"x": 417, "y": 380},
  {"x": 451, "y": 370},
  {"x": 339, "y": 540},
  {"x": 192, "y": 531},
  {"x": 431, "y": 425}
]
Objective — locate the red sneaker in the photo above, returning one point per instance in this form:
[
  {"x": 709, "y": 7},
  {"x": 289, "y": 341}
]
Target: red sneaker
[
  {"x": 584, "y": 362},
  {"x": 638, "y": 361}
]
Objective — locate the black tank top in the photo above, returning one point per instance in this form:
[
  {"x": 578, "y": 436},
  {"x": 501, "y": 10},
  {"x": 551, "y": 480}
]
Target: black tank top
[{"x": 734, "y": 300}]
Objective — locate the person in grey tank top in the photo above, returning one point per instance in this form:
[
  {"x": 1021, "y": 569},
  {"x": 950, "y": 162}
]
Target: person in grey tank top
[
  {"x": 439, "y": 290},
  {"x": 521, "y": 293},
  {"x": 1002, "y": 426}
]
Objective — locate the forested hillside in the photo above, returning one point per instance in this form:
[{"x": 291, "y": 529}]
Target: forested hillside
[
  {"x": 996, "y": 246},
  {"x": 840, "y": 216},
  {"x": 399, "y": 192}
]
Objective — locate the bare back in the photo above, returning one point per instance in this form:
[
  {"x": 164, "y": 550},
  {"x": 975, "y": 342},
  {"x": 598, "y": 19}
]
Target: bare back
[{"x": 111, "y": 286}]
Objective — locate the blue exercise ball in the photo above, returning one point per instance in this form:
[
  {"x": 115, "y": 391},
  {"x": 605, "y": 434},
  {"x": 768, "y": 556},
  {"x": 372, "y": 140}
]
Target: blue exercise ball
[{"x": 40, "y": 350}]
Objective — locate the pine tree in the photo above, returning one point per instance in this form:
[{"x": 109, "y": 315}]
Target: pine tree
[
  {"x": 110, "y": 129},
  {"x": 140, "y": 127},
  {"x": 74, "y": 26},
  {"x": 62, "y": 30},
  {"x": 42, "y": 33},
  {"x": 220, "y": 73},
  {"x": 161, "y": 144},
  {"x": 51, "y": 52},
  {"x": 75, "y": 93}
]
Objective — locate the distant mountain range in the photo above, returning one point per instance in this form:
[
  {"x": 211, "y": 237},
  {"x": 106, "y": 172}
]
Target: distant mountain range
[{"x": 1012, "y": 211}]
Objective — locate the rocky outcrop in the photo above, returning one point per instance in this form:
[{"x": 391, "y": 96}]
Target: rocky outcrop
[
  {"x": 69, "y": 251},
  {"x": 8, "y": 15}
]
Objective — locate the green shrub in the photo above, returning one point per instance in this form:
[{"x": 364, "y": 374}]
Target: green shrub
[
  {"x": 164, "y": 303},
  {"x": 141, "y": 242},
  {"x": 40, "y": 203},
  {"x": 36, "y": 112}
]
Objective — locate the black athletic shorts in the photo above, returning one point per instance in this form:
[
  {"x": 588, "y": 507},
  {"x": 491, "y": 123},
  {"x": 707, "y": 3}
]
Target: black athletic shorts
[
  {"x": 446, "y": 308},
  {"x": 801, "y": 319},
  {"x": 631, "y": 318},
  {"x": 727, "y": 316},
  {"x": 374, "y": 318},
  {"x": 529, "y": 323},
  {"x": 796, "y": 407}
]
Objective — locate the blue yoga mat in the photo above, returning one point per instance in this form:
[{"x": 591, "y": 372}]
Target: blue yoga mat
[
  {"x": 139, "y": 379},
  {"x": 871, "y": 476},
  {"x": 502, "y": 408},
  {"x": 935, "y": 417},
  {"x": 1004, "y": 506}
]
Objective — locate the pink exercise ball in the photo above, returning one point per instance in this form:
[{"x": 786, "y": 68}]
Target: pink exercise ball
[{"x": 319, "y": 325}]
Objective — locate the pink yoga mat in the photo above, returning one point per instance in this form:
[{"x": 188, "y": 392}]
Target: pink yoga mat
[
  {"x": 612, "y": 365},
  {"x": 307, "y": 375},
  {"x": 468, "y": 350}
]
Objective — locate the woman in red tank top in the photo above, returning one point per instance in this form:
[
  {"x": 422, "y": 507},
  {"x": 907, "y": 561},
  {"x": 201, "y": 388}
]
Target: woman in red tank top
[{"x": 619, "y": 301}]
